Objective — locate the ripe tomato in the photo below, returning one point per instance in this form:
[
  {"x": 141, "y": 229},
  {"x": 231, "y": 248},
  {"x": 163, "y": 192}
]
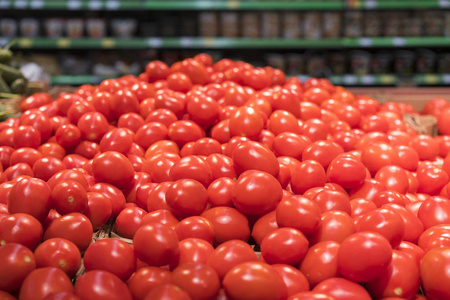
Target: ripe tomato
[
  {"x": 114, "y": 168},
  {"x": 194, "y": 250},
  {"x": 256, "y": 193},
  {"x": 98, "y": 210},
  {"x": 111, "y": 255},
  {"x": 101, "y": 285},
  {"x": 25, "y": 155},
  {"x": 252, "y": 155},
  {"x": 329, "y": 200},
  {"x": 146, "y": 279},
  {"x": 128, "y": 221},
  {"x": 69, "y": 196},
  {"x": 68, "y": 136},
  {"x": 167, "y": 291},
  {"x": 192, "y": 167},
  {"x": 43, "y": 282},
  {"x": 26, "y": 136},
  {"x": 184, "y": 131},
  {"x": 162, "y": 216},
  {"x": 433, "y": 211},
  {"x": 74, "y": 227},
  {"x": 16, "y": 262},
  {"x": 219, "y": 192},
  {"x": 341, "y": 289},
  {"x": 124, "y": 101},
  {"x": 46, "y": 167},
  {"x": 228, "y": 224},
  {"x": 246, "y": 121},
  {"x": 59, "y": 253},
  {"x": 348, "y": 172},
  {"x": 156, "y": 244},
  {"x": 186, "y": 197},
  {"x": 334, "y": 226},
  {"x": 294, "y": 280},
  {"x": 254, "y": 280},
  {"x": 21, "y": 228},
  {"x": 117, "y": 139},
  {"x": 431, "y": 179},
  {"x": 426, "y": 146},
  {"x": 284, "y": 246},
  {"x": 298, "y": 212},
  {"x": 199, "y": 280},
  {"x": 306, "y": 175},
  {"x": 31, "y": 196},
  {"x": 377, "y": 155},
  {"x": 434, "y": 277},
  {"x": 400, "y": 279},
  {"x": 195, "y": 227}
]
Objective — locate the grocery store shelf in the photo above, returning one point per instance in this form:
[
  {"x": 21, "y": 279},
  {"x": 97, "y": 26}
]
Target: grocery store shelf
[
  {"x": 224, "y": 43},
  {"x": 346, "y": 80},
  {"x": 220, "y": 4}
]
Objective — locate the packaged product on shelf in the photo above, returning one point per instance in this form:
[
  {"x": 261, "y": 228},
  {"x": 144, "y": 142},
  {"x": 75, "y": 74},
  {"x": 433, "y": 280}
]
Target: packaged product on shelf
[
  {"x": 148, "y": 29},
  {"x": 29, "y": 27},
  {"x": 277, "y": 60},
  {"x": 54, "y": 27},
  {"x": 331, "y": 24},
  {"x": 382, "y": 62},
  {"x": 373, "y": 24},
  {"x": 208, "y": 25},
  {"x": 360, "y": 62},
  {"x": 426, "y": 61},
  {"x": 338, "y": 63},
  {"x": 393, "y": 23},
  {"x": 353, "y": 24},
  {"x": 250, "y": 24},
  {"x": 312, "y": 25},
  {"x": 270, "y": 22},
  {"x": 292, "y": 28},
  {"x": 316, "y": 66},
  {"x": 124, "y": 28},
  {"x": 8, "y": 27},
  {"x": 443, "y": 64},
  {"x": 433, "y": 23},
  {"x": 412, "y": 26},
  {"x": 404, "y": 62},
  {"x": 296, "y": 64},
  {"x": 229, "y": 24},
  {"x": 446, "y": 21},
  {"x": 74, "y": 28},
  {"x": 96, "y": 28},
  {"x": 188, "y": 25}
]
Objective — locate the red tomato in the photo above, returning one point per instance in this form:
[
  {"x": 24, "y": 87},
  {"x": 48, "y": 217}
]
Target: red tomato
[
  {"x": 145, "y": 280},
  {"x": 320, "y": 262},
  {"x": 256, "y": 193},
  {"x": 294, "y": 280},
  {"x": 192, "y": 167},
  {"x": 69, "y": 196},
  {"x": 284, "y": 246},
  {"x": 20, "y": 169},
  {"x": 157, "y": 197},
  {"x": 283, "y": 121},
  {"x": 93, "y": 125},
  {"x": 206, "y": 147},
  {"x": 413, "y": 225},
  {"x": 368, "y": 189},
  {"x": 306, "y": 175},
  {"x": 114, "y": 168},
  {"x": 68, "y": 136},
  {"x": 122, "y": 102},
  {"x": 263, "y": 226},
  {"x": 194, "y": 250},
  {"x": 34, "y": 101},
  {"x": 74, "y": 227},
  {"x": 184, "y": 131},
  {"x": 431, "y": 179},
  {"x": 254, "y": 280},
  {"x": 329, "y": 200},
  {"x": 394, "y": 178},
  {"x": 128, "y": 221},
  {"x": 377, "y": 155},
  {"x": 31, "y": 196},
  {"x": 443, "y": 120},
  {"x": 199, "y": 280},
  {"x": 59, "y": 253},
  {"x": 290, "y": 144},
  {"x": 352, "y": 256},
  {"x": 434, "y": 211},
  {"x": 433, "y": 273},
  {"x": 334, "y": 226},
  {"x": 16, "y": 262},
  {"x": 348, "y": 172},
  {"x": 167, "y": 291},
  {"x": 26, "y": 136},
  {"x": 342, "y": 289},
  {"x": 311, "y": 296},
  {"x": 39, "y": 121},
  {"x": 46, "y": 167},
  {"x": 186, "y": 197},
  {"x": 43, "y": 282},
  {"x": 400, "y": 279},
  {"x": 149, "y": 133},
  {"x": 117, "y": 139},
  {"x": 202, "y": 109},
  {"x": 161, "y": 216},
  {"x": 298, "y": 212},
  {"x": 158, "y": 165},
  {"x": 228, "y": 224},
  {"x": 101, "y": 285},
  {"x": 426, "y": 146},
  {"x": 98, "y": 210},
  {"x": 246, "y": 121},
  {"x": 219, "y": 192},
  {"x": 25, "y": 155},
  {"x": 111, "y": 255},
  {"x": 252, "y": 155},
  {"x": 156, "y": 244},
  {"x": 195, "y": 227}
]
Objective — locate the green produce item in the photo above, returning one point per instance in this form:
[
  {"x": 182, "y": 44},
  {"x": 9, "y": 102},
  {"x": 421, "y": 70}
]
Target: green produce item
[
  {"x": 4, "y": 88},
  {"x": 10, "y": 74},
  {"x": 6, "y": 56},
  {"x": 18, "y": 86}
]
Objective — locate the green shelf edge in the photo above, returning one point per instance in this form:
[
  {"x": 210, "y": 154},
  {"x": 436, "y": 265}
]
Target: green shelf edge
[
  {"x": 224, "y": 43},
  {"x": 220, "y": 5}
]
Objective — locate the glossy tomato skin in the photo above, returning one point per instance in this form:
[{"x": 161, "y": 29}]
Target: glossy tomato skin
[
  {"x": 294, "y": 280},
  {"x": 69, "y": 196},
  {"x": 306, "y": 175},
  {"x": 400, "y": 279},
  {"x": 252, "y": 155},
  {"x": 320, "y": 262},
  {"x": 186, "y": 197},
  {"x": 101, "y": 285},
  {"x": 352, "y": 256},
  {"x": 17, "y": 262},
  {"x": 74, "y": 227},
  {"x": 284, "y": 246},
  {"x": 156, "y": 244},
  {"x": 129, "y": 220},
  {"x": 192, "y": 167},
  {"x": 44, "y": 281},
  {"x": 145, "y": 279},
  {"x": 228, "y": 224},
  {"x": 193, "y": 250},
  {"x": 195, "y": 227},
  {"x": 199, "y": 280},
  {"x": 342, "y": 289},
  {"x": 21, "y": 228},
  {"x": 434, "y": 277},
  {"x": 348, "y": 172},
  {"x": 254, "y": 280},
  {"x": 98, "y": 210},
  {"x": 31, "y": 196},
  {"x": 167, "y": 291},
  {"x": 59, "y": 253},
  {"x": 113, "y": 168},
  {"x": 256, "y": 192}
]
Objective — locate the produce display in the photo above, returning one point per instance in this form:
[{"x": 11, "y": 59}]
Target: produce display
[{"x": 220, "y": 180}]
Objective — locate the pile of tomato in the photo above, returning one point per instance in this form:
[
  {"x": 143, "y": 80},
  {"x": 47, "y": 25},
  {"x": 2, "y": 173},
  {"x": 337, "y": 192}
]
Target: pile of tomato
[{"x": 223, "y": 181}]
